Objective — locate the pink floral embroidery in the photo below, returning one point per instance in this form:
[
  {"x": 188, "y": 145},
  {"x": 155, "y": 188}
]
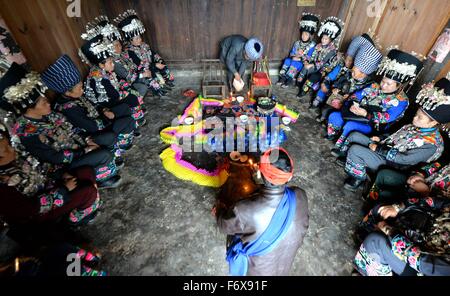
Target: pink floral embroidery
[
  {"x": 44, "y": 201},
  {"x": 413, "y": 200},
  {"x": 58, "y": 202},
  {"x": 412, "y": 261}
]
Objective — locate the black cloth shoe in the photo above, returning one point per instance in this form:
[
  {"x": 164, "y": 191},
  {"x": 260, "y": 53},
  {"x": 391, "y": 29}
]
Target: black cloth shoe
[
  {"x": 120, "y": 163},
  {"x": 341, "y": 161},
  {"x": 282, "y": 80},
  {"x": 142, "y": 122},
  {"x": 128, "y": 147},
  {"x": 112, "y": 182},
  {"x": 352, "y": 184},
  {"x": 300, "y": 88},
  {"x": 337, "y": 153},
  {"x": 303, "y": 91},
  {"x": 89, "y": 219},
  {"x": 167, "y": 88},
  {"x": 170, "y": 84},
  {"x": 137, "y": 134},
  {"x": 315, "y": 111},
  {"x": 159, "y": 93}
]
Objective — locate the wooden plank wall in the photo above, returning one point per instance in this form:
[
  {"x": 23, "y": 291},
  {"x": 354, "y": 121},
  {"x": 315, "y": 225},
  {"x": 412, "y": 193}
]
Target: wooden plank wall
[
  {"x": 190, "y": 30},
  {"x": 44, "y": 31},
  {"x": 187, "y": 30},
  {"x": 414, "y": 25}
]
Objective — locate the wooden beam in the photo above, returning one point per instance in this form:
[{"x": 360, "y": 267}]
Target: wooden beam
[
  {"x": 377, "y": 20},
  {"x": 349, "y": 14}
]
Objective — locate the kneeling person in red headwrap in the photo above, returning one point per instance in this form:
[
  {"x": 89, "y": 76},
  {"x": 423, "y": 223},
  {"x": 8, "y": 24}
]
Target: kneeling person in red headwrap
[{"x": 266, "y": 230}]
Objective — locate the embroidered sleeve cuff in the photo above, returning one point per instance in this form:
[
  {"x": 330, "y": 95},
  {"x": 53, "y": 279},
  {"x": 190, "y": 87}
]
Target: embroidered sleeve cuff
[
  {"x": 68, "y": 156},
  {"x": 64, "y": 193}
]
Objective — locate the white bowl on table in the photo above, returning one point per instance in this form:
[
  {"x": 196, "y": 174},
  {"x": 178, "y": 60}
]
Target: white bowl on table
[
  {"x": 286, "y": 120},
  {"x": 240, "y": 99},
  {"x": 243, "y": 118},
  {"x": 189, "y": 120}
]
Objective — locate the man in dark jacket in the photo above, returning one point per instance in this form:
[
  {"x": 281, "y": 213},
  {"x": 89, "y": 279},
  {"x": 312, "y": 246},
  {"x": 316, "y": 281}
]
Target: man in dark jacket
[
  {"x": 236, "y": 52},
  {"x": 268, "y": 229}
]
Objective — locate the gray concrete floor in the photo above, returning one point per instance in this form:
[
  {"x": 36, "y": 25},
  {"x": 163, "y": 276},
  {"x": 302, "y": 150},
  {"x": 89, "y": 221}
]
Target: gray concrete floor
[{"x": 156, "y": 224}]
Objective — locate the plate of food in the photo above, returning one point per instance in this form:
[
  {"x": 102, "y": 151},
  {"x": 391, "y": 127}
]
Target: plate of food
[{"x": 266, "y": 105}]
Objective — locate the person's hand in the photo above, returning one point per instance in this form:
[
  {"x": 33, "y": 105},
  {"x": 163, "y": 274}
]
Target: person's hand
[
  {"x": 384, "y": 227},
  {"x": 324, "y": 88},
  {"x": 388, "y": 212},
  {"x": 71, "y": 183},
  {"x": 66, "y": 176},
  {"x": 237, "y": 76},
  {"x": 94, "y": 146},
  {"x": 214, "y": 211},
  {"x": 91, "y": 142},
  {"x": 358, "y": 111},
  {"x": 160, "y": 66},
  {"x": 348, "y": 62},
  {"x": 147, "y": 73},
  {"x": 5, "y": 179},
  {"x": 335, "y": 91},
  {"x": 421, "y": 187},
  {"x": 90, "y": 148},
  {"x": 375, "y": 139},
  {"x": 415, "y": 178},
  {"x": 108, "y": 114},
  {"x": 309, "y": 66},
  {"x": 346, "y": 96},
  {"x": 373, "y": 147}
]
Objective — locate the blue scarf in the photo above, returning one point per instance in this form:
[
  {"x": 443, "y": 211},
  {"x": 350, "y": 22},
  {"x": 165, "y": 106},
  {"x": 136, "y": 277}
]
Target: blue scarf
[{"x": 238, "y": 253}]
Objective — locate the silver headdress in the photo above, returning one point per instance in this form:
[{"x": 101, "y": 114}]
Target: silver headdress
[
  {"x": 102, "y": 25},
  {"x": 92, "y": 31},
  {"x": 309, "y": 24},
  {"x": 20, "y": 94},
  {"x": 431, "y": 97},
  {"x": 332, "y": 26},
  {"x": 97, "y": 47},
  {"x": 130, "y": 24},
  {"x": 403, "y": 70}
]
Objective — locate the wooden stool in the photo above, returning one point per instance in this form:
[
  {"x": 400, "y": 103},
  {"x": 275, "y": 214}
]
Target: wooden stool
[{"x": 213, "y": 82}]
